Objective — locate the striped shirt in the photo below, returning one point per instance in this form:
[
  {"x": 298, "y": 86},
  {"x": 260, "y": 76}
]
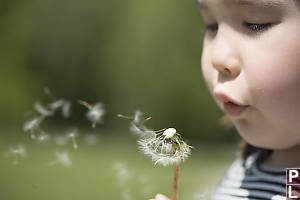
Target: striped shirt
[{"x": 251, "y": 181}]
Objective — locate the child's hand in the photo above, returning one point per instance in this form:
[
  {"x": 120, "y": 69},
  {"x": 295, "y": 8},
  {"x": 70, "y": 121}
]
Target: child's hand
[{"x": 160, "y": 197}]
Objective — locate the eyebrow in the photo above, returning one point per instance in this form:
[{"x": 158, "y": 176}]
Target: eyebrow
[{"x": 244, "y": 3}]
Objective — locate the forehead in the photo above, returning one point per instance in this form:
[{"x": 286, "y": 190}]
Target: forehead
[{"x": 203, "y": 4}]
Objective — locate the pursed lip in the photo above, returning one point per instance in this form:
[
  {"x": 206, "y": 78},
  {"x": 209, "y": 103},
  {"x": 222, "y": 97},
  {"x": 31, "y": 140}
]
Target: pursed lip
[
  {"x": 232, "y": 107},
  {"x": 220, "y": 96}
]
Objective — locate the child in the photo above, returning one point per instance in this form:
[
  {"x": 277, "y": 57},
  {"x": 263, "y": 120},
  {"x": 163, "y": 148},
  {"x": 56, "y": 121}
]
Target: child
[{"x": 251, "y": 64}]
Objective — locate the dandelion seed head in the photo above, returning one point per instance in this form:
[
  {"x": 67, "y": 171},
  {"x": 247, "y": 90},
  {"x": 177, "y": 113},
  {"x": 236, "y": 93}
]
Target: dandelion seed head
[
  {"x": 162, "y": 152},
  {"x": 96, "y": 113},
  {"x": 42, "y": 110},
  {"x": 63, "y": 158}
]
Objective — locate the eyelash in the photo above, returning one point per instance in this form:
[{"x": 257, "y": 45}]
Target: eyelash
[{"x": 250, "y": 26}]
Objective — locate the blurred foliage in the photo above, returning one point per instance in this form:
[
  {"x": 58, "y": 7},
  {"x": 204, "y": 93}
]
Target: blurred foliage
[{"x": 128, "y": 54}]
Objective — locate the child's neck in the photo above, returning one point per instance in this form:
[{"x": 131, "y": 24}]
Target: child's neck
[{"x": 284, "y": 158}]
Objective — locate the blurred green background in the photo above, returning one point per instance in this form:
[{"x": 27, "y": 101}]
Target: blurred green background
[{"x": 127, "y": 54}]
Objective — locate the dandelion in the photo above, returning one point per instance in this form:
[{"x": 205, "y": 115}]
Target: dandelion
[
  {"x": 95, "y": 113},
  {"x": 62, "y": 158},
  {"x": 16, "y": 153},
  {"x": 165, "y": 147},
  {"x": 33, "y": 125}
]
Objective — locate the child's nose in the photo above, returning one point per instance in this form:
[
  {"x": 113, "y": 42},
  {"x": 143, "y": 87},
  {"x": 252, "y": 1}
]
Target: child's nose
[{"x": 225, "y": 57}]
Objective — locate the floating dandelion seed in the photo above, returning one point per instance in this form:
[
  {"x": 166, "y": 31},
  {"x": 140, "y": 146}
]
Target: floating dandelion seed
[
  {"x": 95, "y": 113},
  {"x": 16, "y": 153},
  {"x": 65, "y": 106},
  {"x": 56, "y": 104},
  {"x": 137, "y": 124},
  {"x": 122, "y": 173},
  {"x": 72, "y": 135},
  {"x": 33, "y": 125},
  {"x": 66, "y": 109},
  {"x": 43, "y": 137},
  {"x": 62, "y": 158},
  {"x": 42, "y": 110}
]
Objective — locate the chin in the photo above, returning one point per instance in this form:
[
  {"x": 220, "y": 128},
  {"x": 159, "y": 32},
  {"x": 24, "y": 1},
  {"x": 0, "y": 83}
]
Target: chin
[{"x": 268, "y": 143}]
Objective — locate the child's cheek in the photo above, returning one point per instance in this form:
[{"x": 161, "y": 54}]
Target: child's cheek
[
  {"x": 207, "y": 70},
  {"x": 274, "y": 86}
]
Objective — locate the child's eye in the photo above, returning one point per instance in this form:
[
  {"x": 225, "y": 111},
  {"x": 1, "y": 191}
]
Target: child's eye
[
  {"x": 256, "y": 27},
  {"x": 211, "y": 28}
]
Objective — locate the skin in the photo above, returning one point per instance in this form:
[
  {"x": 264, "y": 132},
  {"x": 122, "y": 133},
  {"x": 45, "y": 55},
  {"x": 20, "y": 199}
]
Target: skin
[{"x": 257, "y": 67}]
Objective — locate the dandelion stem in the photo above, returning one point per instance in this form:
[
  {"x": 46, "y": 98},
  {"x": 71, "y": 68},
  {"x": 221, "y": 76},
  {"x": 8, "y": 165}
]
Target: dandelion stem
[{"x": 175, "y": 183}]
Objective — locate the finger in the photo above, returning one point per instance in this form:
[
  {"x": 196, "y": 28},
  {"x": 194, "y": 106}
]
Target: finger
[{"x": 161, "y": 197}]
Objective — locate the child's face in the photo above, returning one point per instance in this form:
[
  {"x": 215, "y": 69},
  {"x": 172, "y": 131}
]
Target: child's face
[{"x": 251, "y": 54}]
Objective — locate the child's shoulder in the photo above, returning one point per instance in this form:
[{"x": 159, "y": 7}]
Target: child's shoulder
[{"x": 249, "y": 179}]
